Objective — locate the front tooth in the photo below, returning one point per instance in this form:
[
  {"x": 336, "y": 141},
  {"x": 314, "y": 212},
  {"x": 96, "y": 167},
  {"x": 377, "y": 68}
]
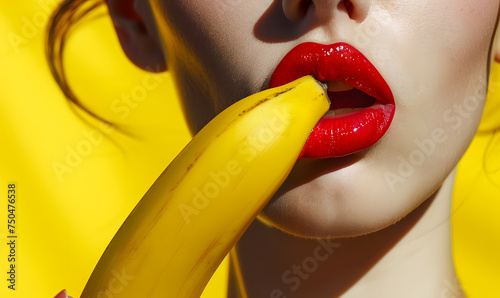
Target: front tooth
[{"x": 337, "y": 86}]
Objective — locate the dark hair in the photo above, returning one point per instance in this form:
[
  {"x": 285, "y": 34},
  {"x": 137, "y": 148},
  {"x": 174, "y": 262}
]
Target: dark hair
[{"x": 60, "y": 25}]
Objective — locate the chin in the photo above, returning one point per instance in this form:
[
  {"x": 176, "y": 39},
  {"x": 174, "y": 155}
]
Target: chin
[{"x": 350, "y": 201}]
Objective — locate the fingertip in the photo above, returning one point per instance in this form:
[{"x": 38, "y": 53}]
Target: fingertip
[{"x": 62, "y": 294}]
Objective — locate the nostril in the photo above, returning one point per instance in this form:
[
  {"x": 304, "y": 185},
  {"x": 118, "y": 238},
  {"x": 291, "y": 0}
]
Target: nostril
[
  {"x": 295, "y": 10},
  {"x": 357, "y": 10},
  {"x": 304, "y": 6},
  {"x": 348, "y": 6}
]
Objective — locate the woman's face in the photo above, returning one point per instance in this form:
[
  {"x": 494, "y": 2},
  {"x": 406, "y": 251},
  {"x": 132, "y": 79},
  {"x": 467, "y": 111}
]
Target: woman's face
[{"x": 434, "y": 55}]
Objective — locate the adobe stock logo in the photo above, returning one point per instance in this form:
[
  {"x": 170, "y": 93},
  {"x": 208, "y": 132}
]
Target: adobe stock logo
[
  {"x": 219, "y": 179},
  {"x": 93, "y": 137},
  {"x": 75, "y": 154},
  {"x": 294, "y": 276},
  {"x": 453, "y": 120},
  {"x": 116, "y": 284},
  {"x": 31, "y": 26}
]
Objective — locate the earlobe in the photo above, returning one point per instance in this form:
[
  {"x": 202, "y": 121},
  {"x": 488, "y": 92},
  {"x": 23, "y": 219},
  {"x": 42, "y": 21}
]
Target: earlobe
[{"x": 136, "y": 29}]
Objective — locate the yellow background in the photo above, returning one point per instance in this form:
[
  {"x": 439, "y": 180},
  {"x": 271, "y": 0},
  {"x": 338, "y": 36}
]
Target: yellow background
[{"x": 77, "y": 183}]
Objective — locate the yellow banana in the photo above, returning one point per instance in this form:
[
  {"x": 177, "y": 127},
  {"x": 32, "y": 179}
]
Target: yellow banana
[{"x": 178, "y": 234}]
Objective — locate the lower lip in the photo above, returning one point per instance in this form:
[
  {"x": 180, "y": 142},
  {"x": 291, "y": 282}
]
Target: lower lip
[{"x": 341, "y": 135}]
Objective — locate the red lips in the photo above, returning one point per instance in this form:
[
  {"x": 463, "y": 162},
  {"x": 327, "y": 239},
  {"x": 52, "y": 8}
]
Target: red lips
[{"x": 341, "y": 135}]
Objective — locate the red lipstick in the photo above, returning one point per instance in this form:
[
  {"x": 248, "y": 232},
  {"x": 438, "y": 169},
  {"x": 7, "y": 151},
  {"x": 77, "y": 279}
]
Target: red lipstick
[{"x": 340, "y": 135}]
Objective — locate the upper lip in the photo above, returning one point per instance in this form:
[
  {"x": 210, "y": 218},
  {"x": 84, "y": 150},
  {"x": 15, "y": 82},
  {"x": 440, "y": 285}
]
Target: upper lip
[{"x": 334, "y": 62}]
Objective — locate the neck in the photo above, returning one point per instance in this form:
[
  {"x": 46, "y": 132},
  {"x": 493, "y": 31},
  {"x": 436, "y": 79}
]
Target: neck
[{"x": 412, "y": 258}]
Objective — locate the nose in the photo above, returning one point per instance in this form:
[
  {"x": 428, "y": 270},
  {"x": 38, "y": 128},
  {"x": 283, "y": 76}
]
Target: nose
[{"x": 295, "y": 10}]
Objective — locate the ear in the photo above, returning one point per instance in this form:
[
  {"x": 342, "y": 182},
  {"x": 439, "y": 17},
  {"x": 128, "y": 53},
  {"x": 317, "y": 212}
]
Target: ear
[{"x": 136, "y": 29}]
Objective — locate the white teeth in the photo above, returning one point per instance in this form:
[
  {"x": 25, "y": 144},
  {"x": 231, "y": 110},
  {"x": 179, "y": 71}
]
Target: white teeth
[
  {"x": 337, "y": 86},
  {"x": 347, "y": 110}
]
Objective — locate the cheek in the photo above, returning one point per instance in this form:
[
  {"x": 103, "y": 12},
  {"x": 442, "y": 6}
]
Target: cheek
[
  {"x": 208, "y": 44},
  {"x": 227, "y": 46},
  {"x": 441, "y": 57},
  {"x": 439, "y": 77}
]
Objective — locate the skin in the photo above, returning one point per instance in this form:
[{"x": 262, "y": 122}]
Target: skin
[{"x": 387, "y": 207}]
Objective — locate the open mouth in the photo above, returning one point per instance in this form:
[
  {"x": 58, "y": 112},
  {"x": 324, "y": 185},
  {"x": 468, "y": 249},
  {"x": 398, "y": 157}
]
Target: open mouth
[
  {"x": 347, "y": 99},
  {"x": 362, "y": 104}
]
